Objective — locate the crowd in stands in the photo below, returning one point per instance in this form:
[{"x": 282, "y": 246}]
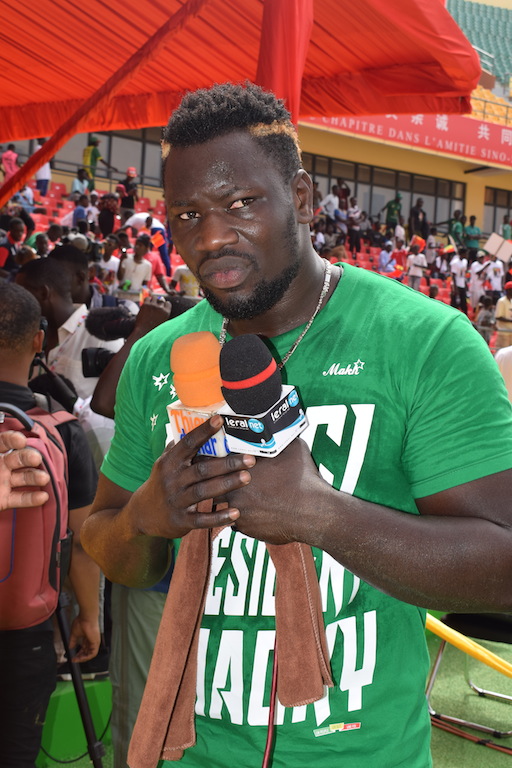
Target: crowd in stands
[
  {"x": 129, "y": 246},
  {"x": 444, "y": 260}
]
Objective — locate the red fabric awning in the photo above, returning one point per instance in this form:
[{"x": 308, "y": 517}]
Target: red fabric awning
[
  {"x": 365, "y": 57},
  {"x": 68, "y": 68}
]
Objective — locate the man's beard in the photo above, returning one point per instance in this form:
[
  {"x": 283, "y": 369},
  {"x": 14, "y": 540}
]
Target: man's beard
[{"x": 267, "y": 293}]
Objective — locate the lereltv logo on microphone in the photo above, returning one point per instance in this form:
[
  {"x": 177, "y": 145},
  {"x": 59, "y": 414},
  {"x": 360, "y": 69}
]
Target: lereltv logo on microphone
[{"x": 269, "y": 433}]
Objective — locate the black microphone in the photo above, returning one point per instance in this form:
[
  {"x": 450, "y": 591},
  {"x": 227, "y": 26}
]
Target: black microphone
[
  {"x": 262, "y": 416},
  {"x": 110, "y": 323},
  {"x": 251, "y": 380}
]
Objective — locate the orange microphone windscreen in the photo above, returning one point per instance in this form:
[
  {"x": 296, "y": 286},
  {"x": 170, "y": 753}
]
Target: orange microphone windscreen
[{"x": 195, "y": 364}]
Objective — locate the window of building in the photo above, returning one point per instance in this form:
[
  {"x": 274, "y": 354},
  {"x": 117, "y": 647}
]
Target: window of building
[
  {"x": 363, "y": 197},
  {"x": 307, "y": 162},
  {"x": 501, "y": 198},
  {"x": 152, "y": 163},
  {"x": 443, "y": 188},
  {"x": 404, "y": 181},
  {"x": 384, "y": 178},
  {"x": 498, "y": 204},
  {"x": 406, "y": 204},
  {"x": 342, "y": 170},
  {"x": 364, "y": 173},
  {"x": 374, "y": 187},
  {"x": 458, "y": 190},
  {"x": 125, "y": 153},
  {"x": 424, "y": 185},
  {"x": 321, "y": 166},
  {"x": 70, "y": 156},
  {"x": 443, "y": 209}
]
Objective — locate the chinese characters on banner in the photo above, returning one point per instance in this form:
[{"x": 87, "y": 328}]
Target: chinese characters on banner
[{"x": 455, "y": 135}]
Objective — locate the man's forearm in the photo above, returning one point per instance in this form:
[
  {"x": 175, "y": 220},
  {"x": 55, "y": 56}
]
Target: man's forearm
[
  {"x": 84, "y": 573},
  {"x": 455, "y": 555},
  {"x": 419, "y": 558},
  {"x": 84, "y": 576},
  {"x": 125, "y": 556}
]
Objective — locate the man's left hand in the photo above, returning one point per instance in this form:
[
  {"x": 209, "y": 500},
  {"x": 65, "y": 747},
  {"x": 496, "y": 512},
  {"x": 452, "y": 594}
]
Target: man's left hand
[
  {"x": 86, "y": 635},
  {"x": 20, "y": 477}
]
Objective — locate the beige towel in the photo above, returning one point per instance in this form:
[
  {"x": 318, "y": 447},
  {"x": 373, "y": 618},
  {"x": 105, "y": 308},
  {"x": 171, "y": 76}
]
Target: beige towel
[{"x": 165, "y": 724}]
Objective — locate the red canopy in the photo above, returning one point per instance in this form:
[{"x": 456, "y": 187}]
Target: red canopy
[{"x": 68, "y": 67}]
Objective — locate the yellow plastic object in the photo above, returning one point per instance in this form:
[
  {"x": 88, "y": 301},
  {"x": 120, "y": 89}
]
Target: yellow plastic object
[{"x": 468, "y": 646}]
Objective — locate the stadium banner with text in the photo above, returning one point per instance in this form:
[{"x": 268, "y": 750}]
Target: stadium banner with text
[{"x": 473, "y": 140}]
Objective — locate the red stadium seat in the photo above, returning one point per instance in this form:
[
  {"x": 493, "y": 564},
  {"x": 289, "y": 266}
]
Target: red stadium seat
[
  {"x": 145, "y": 202},
  {"x": 40, "y": 220},
  {"x": 160, "y": 209},
  {"x": 59, "y": 188}
]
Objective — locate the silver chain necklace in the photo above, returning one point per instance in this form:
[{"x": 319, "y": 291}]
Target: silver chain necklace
[{"x": 323, "y": 294}]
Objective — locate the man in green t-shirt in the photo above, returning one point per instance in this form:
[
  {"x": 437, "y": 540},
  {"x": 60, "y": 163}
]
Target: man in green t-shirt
[
  {"x": 393, "y": 489},
  {"x": 393, "y": 210},
  {"x": 472, "y": 235},
  {"x": 455, "y": 227},
  {"x": 91, "y": 158},
  {"x": 506, "y": 229}
]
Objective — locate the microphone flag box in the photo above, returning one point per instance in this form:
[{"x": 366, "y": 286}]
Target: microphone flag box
[
  {"x": 183, "y": 419},
  {"x": 269, "y": 433}
]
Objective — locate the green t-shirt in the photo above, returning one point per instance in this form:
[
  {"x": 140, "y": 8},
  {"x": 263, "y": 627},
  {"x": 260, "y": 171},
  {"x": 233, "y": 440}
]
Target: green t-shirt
[
  {"x": 471, "y": 236},
  {"x": 393, "y": 210},
  {"x": 90, "y": 158},
  {"x": 389, "y": 379},
  {"x": 457, "y": 231}
]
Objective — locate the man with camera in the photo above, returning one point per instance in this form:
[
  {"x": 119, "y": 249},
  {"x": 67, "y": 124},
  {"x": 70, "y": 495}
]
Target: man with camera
[{"x": 57, "y": 289}]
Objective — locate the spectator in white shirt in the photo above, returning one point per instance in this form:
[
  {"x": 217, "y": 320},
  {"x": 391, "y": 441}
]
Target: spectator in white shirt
[
  {"x": 495, "y": 275},
  {"x": 80, "y": 185},
  {"x": 135, "y": 271},
  {"x": 416, "y": 266},
  {"x": 458, "y": 269},
  {"x": 354, "y": 230},
  {"x": 331, "y": 203},
  {"x": 43, "y": 174}
]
